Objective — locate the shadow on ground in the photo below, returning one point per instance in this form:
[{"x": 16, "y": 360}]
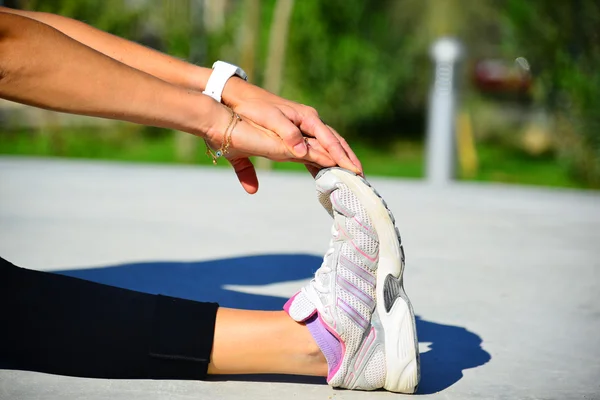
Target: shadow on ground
[{"x": 451, "y": 349}]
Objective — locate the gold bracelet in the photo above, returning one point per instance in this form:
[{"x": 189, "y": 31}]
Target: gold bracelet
[
  {"x": 216, "y": 154},
  {"x": 227, "y": 140}
]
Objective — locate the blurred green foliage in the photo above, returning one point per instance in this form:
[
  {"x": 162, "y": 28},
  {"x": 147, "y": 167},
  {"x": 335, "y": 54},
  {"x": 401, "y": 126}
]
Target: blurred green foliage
[
  {"x": 562, "y": 41},
  {"x": 334, "y": 65},
  {"x": 108, "y": 15},
  {"x": 365, "y": 64}
]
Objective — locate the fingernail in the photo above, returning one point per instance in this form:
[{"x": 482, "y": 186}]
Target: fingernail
[{"x": 300, "y": 149}]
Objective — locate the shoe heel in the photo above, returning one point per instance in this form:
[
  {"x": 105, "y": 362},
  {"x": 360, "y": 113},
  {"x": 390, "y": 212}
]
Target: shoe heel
[{"x": 402, "y": 354}]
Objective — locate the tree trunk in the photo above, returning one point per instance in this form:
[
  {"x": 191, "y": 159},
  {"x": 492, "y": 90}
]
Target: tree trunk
[{"x": 276, "y": 55}]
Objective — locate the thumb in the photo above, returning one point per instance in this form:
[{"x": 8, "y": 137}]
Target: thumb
[{"x": 246, "y": 174}]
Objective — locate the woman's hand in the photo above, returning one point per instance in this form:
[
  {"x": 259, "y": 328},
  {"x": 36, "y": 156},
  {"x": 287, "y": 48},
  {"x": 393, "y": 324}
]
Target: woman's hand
[
  {"x": 250, "y": 139},
  {"x": 290, "y": 121}
]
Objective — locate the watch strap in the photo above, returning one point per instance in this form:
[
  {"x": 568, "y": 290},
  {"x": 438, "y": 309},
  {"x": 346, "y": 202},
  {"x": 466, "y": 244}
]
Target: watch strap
[{"x": 221, "y": 73}]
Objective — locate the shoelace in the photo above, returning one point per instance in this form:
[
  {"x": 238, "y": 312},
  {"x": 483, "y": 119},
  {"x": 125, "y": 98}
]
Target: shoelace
[{"x": 325, "y": 268}]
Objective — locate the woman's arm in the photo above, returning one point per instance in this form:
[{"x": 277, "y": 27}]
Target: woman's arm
[
  {"x": 167, "y": 68},
  {"x": 41, "y": 66},
  {"x": 287, "y": 118}
]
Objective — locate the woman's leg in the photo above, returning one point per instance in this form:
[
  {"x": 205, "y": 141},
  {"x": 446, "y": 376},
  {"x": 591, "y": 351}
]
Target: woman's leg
[
  {"x": 63, "y": 325},
  {"x": 254, "y": 342}
]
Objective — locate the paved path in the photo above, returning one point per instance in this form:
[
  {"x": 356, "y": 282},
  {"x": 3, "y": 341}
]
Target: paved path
[{"x": 505, "y": 280}]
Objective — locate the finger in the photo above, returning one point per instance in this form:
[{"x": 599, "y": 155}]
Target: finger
[
  {"x": 313, "y": 144},
  {"x": 315, "y": 127},
  {"x": 318, "y": 155},
  {"x": 246, "y": 174},
  {"x": 315, "y": 147},
  {"x": 274, "y": 120},
  {"x": 249, "y": 138},
  {"x": 312, "y": 125},
  {"x": 349, "y": 151}
]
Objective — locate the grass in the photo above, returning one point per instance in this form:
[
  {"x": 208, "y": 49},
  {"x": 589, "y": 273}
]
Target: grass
[
  {"x": 498, "y": 164},
  {"x": 405, "y": 159},
  {"x": 402, "y": 159},
  {"x": 92, "y": 143}
]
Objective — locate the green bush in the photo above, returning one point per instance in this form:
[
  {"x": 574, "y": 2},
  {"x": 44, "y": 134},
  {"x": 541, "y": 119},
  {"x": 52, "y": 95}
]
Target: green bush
[{"x": 562, "y": 42}]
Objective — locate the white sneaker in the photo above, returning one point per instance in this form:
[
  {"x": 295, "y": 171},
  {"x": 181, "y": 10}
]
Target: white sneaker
[{"x": 357, "y": 295}]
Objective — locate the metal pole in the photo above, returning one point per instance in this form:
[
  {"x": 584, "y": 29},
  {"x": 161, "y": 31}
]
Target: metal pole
[{"x": 441, "y": 143}]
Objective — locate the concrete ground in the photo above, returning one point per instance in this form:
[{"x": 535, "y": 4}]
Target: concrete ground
[{"x": 505, "y": 280}]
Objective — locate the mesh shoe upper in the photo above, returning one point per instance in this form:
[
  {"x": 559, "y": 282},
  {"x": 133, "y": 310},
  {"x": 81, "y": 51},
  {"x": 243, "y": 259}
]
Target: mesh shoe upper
[{"x": 343, "y": 292}]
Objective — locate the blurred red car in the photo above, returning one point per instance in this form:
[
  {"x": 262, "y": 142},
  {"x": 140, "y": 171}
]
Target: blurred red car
[{"x": 502, "y": 77}]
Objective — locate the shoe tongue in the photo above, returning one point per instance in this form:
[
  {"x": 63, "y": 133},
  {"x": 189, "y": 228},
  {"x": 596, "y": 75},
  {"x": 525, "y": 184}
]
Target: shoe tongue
[
  {"x": 299, "y": 307},
  {"x": 325, "y": 200}
]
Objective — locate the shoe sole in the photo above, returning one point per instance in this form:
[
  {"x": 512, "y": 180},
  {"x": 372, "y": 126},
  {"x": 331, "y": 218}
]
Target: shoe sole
[{"x": 401, "y": 346}]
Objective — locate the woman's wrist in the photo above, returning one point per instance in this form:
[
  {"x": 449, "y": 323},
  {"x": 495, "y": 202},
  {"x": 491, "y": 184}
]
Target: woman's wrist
[
  {"x": 212, "y": 117},
  {"x": 197, "y": 77},
  {"x": 209, "y": 119},
  {"x": 188, "y": 111}
]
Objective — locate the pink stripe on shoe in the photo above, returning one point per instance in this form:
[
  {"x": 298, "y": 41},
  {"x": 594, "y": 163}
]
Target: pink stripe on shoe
[
  {"x": 353, "y": 314},
  {"x": 367, "y": 256},
  {"x": 356, "y": 292},
  {"x": 357, "y": 270},
  {"x": 366, "y": 228},
  {"x": 340, "y": 207},
  {"x": 365, "y": 349}
]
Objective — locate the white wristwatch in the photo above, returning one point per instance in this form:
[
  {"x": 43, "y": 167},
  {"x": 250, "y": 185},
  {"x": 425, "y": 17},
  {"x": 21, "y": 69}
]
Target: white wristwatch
[{"x": 221, "y": 73}]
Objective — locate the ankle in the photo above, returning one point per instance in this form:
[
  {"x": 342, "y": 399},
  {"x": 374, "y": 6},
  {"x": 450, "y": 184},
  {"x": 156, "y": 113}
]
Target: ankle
[{"x": 308, "y": 353}]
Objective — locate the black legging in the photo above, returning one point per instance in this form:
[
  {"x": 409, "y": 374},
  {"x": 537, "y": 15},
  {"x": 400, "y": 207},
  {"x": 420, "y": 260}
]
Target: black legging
[{"x": 63, "y": 325}]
